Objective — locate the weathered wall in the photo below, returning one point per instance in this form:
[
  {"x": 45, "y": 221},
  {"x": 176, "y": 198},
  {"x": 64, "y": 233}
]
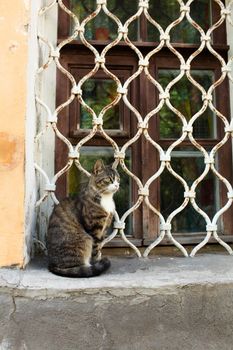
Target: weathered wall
[
  {"x": 13, "y": 72},
  {"x": 190, "y": 317},
  {"x": 153, "y": 304}
]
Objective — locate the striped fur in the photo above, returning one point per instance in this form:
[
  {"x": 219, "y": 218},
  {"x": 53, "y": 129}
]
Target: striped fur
[{"x": 78, "y": 226}]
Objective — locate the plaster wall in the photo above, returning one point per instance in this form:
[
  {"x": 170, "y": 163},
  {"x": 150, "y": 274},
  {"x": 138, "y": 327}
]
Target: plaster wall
[
  {"x": 14, "y": 22},
  {"x": 19, "y": 61}
]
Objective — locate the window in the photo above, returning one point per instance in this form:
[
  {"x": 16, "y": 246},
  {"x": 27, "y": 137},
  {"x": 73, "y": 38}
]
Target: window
[{"x": 187, "y": 101}]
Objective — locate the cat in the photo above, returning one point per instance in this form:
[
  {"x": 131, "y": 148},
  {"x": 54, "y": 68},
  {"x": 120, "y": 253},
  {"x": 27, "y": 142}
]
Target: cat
[{"x": 77, "y": 226}]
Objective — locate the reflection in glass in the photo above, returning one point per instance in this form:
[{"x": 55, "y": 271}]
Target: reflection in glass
[
  {"x": 103, "y": 27},
  {"x": 190, "y": 165},
  {"x": 88, "y": 157},
  {"x": 98, "y": 93},
  {"x": 170, "y": 124},
  {"x": 187, "y": 98},
  {"x": 165, "y": 12}
]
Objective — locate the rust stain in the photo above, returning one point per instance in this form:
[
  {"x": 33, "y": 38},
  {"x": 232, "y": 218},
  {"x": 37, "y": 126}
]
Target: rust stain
[{"x": 9, "y": 151}]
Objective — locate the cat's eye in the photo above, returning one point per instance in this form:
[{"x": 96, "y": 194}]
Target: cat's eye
[{"x": 107, "y": 180}]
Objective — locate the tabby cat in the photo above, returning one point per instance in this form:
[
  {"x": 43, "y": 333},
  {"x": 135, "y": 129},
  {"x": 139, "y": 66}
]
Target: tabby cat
[{"x": 77, "y": 226}]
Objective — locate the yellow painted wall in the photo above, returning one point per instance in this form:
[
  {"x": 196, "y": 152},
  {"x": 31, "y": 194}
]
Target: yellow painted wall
[{"x": 13, "y": 75}]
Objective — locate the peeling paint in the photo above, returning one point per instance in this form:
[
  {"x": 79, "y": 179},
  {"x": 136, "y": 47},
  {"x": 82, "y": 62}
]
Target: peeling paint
[{"x": 10, "y": 151}]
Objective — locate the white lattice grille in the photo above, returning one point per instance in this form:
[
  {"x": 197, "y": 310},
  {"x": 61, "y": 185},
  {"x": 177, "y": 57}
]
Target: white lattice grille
[{"x": 189, "y": 191}]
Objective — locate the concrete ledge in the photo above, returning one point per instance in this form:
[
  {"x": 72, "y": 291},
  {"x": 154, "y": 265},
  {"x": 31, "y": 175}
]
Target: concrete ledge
[
  {"x": 125, "y": 274},
  {"x": 158, "y": 303}
]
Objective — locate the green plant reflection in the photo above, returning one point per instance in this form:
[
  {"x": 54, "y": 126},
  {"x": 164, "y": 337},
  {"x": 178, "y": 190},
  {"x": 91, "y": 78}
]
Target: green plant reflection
[
  {"x": 187, "y": 99},
  {"x": 102, "y": 27},
  {"x": 188, "y": 164},
  {"x": 98, "y": 93},
  {"x": 165, "y": 12}
]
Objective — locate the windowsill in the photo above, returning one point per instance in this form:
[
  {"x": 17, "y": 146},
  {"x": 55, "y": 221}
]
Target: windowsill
[
  {"x": 144, "y": 44},
  {"x": 182, "y": 238},
  {"x": 125, "y": 274}
]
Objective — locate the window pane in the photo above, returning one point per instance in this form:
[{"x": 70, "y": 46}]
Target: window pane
[
  {"x": 189, "y": 165},
  {"x": 187, "y": 98},
  {"x": 88, "y": 157},
  {"x": 103, "y": 27},
  {"x": 166, "y": 11},
  {"x": 98, "y": 93}
]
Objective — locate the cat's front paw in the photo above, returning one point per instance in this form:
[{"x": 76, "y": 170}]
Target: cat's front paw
[{"x": 101, "y": 266}]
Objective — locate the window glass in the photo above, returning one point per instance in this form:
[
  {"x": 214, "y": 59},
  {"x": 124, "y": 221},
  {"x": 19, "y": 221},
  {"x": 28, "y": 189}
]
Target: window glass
[
  {"x": 190, "y": 165},
  {"x": 187, "y": 99},
  {"x": 98, "y": 93},
  {"x": 165, "y": 12},
  {"x": 102, "y": 27}
]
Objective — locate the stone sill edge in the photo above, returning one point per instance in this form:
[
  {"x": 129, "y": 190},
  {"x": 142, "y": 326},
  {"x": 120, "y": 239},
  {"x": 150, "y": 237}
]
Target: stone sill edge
[{"x": 104, "y": 292}]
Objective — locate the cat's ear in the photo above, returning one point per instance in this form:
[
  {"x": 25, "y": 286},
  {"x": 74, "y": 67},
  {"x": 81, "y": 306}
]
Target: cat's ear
[{"x": 98, "y": 167}]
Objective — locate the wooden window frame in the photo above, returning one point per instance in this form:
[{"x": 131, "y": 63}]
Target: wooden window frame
[
  {"x": 124, "y": 131},
  {"x": 146, "y": 225},
  {"x": 165, "y": 61}
]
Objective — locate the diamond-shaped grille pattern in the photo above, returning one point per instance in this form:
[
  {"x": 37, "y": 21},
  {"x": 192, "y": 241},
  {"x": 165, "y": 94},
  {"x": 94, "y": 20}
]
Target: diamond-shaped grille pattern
[{"x": 142, "y": 123}]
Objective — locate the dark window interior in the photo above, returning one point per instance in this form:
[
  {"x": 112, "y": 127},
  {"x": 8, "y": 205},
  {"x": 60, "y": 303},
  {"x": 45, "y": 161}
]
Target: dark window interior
[{"x": 75, "y": 122}]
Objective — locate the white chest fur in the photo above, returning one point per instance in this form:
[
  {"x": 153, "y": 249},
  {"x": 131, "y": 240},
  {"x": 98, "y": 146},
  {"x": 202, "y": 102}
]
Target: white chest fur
[{"x": 107, "y": 203}]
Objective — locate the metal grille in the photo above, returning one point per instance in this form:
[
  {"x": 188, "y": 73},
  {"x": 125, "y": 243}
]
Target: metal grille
[{"x": 189, "y": 191}]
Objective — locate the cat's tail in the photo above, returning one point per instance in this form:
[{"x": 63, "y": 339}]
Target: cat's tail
[{"x": 82, "y": 271}]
